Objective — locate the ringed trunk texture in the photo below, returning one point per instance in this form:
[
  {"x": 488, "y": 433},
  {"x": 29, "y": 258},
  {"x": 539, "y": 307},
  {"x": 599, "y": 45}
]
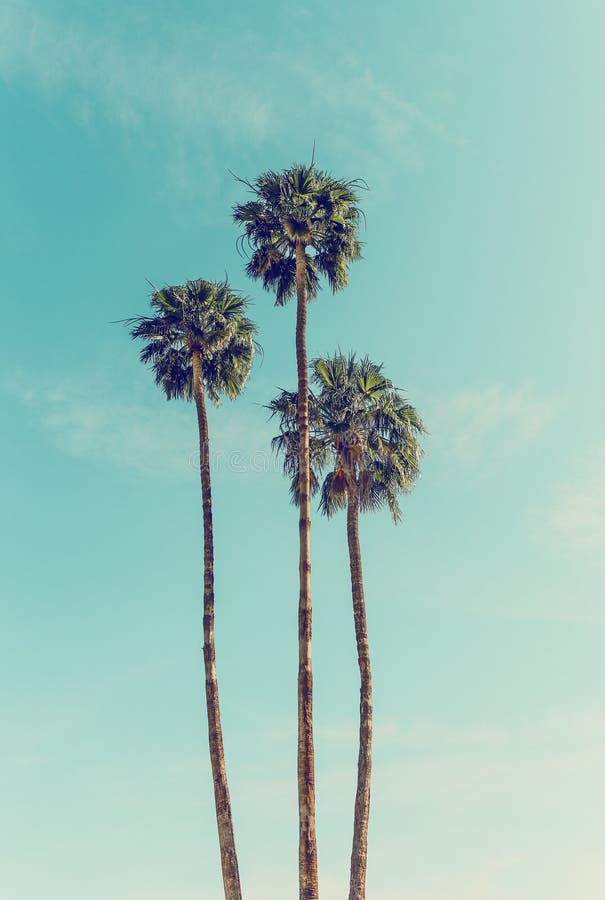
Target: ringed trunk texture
[
  {"x": 231, "y": 882},
  {"x": 307, "y": 844},
  {"x": 359, "y": 854}
]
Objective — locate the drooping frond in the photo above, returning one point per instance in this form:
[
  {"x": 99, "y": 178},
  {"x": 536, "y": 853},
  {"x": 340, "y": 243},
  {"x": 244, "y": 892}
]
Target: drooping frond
[
  {"x": 278, "y": 273},
  {"x": 363, "y": 433},
  {"x": 286, "y": 442},
  {"x": 172, "y": 372},
  {"x": 332, "y": 497},
  {"x": 301, "y": 205},
  {"x": 203, "y": 316},
  {"x": 284, "y": 406}
]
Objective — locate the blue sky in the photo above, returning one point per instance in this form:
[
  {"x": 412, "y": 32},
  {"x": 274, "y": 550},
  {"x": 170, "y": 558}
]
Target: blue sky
[{"x": 479, "y": 129}]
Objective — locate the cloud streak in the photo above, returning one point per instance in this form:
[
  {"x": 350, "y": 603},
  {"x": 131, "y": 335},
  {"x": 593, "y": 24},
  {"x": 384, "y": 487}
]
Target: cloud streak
[
  {"x": 131, "y": 81},
  {"x": 487, "y": 811},
  {"x": 483, "y": 425},
  {"x": 89, "y": 418},
  {"x": 577, "y": 516},
  {"x": 193, "y": 89},
  {"x": 525, "y": 794}
]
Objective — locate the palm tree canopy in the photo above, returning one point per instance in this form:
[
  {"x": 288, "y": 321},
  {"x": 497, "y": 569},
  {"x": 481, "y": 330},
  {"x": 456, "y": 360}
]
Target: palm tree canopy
[
  {"x": 362, "y": 431},
  {"x": 204, "y": 316},
  {"x": 300, "y": 205}
]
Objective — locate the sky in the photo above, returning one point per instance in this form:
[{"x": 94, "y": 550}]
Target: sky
[{"x": 479, "y": 129}]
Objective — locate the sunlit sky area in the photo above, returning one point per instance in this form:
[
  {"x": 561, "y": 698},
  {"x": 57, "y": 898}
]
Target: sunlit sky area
[{"x": 479, "y": 129}]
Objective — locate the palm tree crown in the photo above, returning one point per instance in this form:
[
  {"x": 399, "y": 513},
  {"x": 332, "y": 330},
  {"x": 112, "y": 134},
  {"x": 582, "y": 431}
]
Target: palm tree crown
[
  {"x": 362, "y": 430},
  {"x": 301, "y": 205},
  {"x": 203, "y": 316}
]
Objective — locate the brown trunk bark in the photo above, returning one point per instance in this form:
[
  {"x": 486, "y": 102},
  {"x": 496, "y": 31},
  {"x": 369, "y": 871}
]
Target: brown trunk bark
[
  {"x": 307, "y": 845},
  {"x": 224, "y": 820},
  {"x": 357, "y": 885}
]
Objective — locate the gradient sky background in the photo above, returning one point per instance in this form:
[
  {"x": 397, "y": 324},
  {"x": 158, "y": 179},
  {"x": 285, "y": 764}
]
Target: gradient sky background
[{"x": 479, "y": 127}]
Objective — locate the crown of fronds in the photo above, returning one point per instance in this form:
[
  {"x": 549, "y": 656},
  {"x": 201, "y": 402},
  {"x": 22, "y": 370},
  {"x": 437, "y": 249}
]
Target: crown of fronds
[
  {"x": 204, "y": 316},
  {"x": 304, "y": 205},
  {"x": 364, "y": 435}
]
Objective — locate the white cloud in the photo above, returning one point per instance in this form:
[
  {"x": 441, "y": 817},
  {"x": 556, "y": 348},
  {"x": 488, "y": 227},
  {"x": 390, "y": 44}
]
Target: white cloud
[
  {"x": 577, "y": 516},
  {"x": 89, "y": 418},
  {"x": 392, "y": 121},
  {"x": 179, "y": 78},
  {"x": 192, "y": 88},
  {"x": 489, "y": 810},
  {"x": 483, "y": 811},
  {"x": 486, "y": 424}
]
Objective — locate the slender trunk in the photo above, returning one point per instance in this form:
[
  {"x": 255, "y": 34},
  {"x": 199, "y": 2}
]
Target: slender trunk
[
  {"x": 307, "y": 845},
  {"x": 357, "y": 885},
  {"x": 224, "y": 820}
]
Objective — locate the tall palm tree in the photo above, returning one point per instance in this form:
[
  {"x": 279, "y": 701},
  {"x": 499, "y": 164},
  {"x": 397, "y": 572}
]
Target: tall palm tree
[
  {"x": 366, "y": 434},
  {"x": 199, "y": 342},
  {"x": 301, "y": 224}
]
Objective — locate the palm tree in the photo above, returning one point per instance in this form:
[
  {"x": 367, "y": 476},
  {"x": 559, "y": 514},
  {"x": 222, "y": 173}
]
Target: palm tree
[
  {"x": 199, "y": 341},
  {"x": 302, "y": 224},
  {"x": 366, "y": 434}
]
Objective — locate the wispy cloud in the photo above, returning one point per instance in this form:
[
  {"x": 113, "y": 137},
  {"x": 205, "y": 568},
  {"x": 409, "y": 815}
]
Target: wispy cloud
[
  {"x": 194, "y": 88},
  {"x": 544, "y": 775},
  {"x": 508, "y": 808},
  {"x": 89, "y": 417},
  {"x": 484, "y": 425},
  {"x": 394, "y": 125},
  {"x": 576, "y": 518},
  {"x": 130, "y": 73},
  {"x": 450, "y": 792}
]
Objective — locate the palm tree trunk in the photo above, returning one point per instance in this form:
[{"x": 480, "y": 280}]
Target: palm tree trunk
[
  {"x": 307, "y": 845},
  {"x": 357, "y": 885},
  {"x": 224, "y": 820}
]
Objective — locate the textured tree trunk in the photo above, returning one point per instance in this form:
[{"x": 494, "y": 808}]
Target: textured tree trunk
[
  {"x": 307, "y": 845},
  {"x": 224, "y": 820},
  {"x": 357, "y": 885}
]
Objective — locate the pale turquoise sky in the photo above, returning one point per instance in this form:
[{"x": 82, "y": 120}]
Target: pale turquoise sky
[{"x": 479, "y": 128}]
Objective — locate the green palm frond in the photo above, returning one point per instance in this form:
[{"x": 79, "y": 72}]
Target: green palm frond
[
  {"x": 331, "y": 500},
  {"x": 286, "y": 442},
  {"x": 301, "y": 205},
  {"x": 363, "y": 434},
  {"x": 205, "y": 316}
]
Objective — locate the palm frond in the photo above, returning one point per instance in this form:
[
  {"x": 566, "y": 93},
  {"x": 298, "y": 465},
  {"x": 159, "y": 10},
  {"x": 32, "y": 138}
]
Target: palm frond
[
  {"x": 363, "y": 433},
  {"x": 304, "y": 205},
  {"x": 204, "y": 316}
]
